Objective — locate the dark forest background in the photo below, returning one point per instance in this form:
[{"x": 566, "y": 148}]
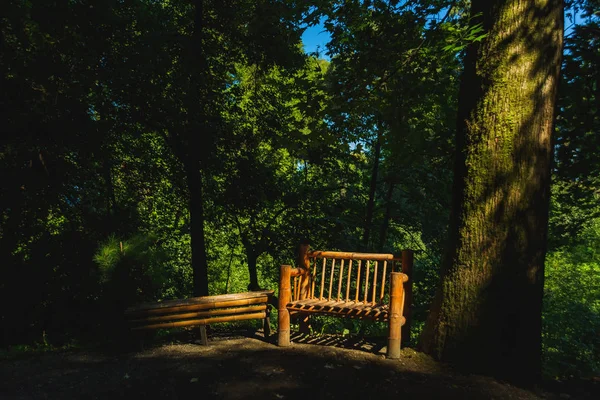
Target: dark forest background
[{"x": 137, "y": 133}]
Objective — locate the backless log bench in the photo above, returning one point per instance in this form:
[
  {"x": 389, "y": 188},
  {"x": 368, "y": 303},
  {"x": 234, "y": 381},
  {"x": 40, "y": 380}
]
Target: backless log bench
[
  {"x": 202, "y": 311},
  {"x": 349, "y": 285}
]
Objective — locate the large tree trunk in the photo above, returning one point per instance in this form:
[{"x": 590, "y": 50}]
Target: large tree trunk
[
  {"x": 198, "y": 65},
  {"x": 372, "y": 188},
  {"x": 199, "y": 261},
  {"x": 111, "y": 200},
  {"x": 386, "y": 218},
  {"x": 487, "y": 312},
  {"x": 251, "y": 256}
]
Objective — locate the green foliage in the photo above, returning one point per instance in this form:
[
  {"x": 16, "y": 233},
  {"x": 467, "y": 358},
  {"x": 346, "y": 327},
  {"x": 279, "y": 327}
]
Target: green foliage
[
  {"x": 133, "y": 267},
  {"x": 577, "y": 169},
  {"x": 572, "y": 308},
  {"x": 571, "y": 312},
  {"x": 110, "y": 109},
  {"x": 459, "y": 36},
  {"x": 108, "y": 256}
]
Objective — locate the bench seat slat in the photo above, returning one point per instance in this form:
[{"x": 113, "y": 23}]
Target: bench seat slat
[
  {"x": 336, "y": 305},
  {"x": 310, "y": 302},
  {"x": 321, "y": 303},
  {"x": 195, "y": 315},
  {"x": 201, "y": 300},
  {"x": 347, "y": 309},
  {"x": 195, "y": 307},
  {"x": 203, "y": 321}
]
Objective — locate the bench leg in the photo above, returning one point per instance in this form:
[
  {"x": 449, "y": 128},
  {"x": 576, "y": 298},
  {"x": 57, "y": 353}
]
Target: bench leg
[
  {"x": 203, "y": 336},
  {"x": 395, "y": 319},
  {"x": 283, "y": 329},
  {"x": 267, "y": 324},
  {"x": 285, "y": 295},
  {"x": 393, "y": 349}
]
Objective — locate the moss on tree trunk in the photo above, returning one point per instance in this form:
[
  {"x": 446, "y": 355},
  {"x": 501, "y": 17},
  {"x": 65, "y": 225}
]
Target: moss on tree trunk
[{"x": 487, "y": 312}]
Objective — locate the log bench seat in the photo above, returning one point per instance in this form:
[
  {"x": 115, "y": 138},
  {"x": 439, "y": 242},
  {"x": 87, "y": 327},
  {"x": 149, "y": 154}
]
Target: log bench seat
[
  {"x": 348, "y": 285},
  {"x": 202, "y": 311},
  {"x": 340, "y": 308}
]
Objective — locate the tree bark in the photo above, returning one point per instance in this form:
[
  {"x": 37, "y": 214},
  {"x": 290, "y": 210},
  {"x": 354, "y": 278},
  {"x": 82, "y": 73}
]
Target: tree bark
[
  {"x": 228, "y": 280},
  {"x": 487, "y": 311},
  {"x": 198, "y": 67},
  {"x": 386, "y": 218},
  {"x": 199, "y": 261},
  {"x": 252, "y": 254},
  {"x": 252, "y": 257},
  {"x": 372, "y": 188},
  {"x": 111, "y": 200}
]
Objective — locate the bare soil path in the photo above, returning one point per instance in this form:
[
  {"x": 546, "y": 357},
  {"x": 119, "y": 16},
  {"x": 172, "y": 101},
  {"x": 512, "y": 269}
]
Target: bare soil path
[{"x": 245, "y": 368}]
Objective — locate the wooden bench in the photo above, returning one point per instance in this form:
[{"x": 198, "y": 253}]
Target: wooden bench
[
  {"x": 349, "y": 285},
  {"x": 202, "y": 311}
]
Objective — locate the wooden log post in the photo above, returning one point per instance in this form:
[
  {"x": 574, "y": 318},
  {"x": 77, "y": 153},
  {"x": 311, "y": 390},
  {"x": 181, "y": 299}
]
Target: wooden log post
[
  {"x": 407, "y": 268},
  {"x": 267, "y": 323},
  {"x": 395, "y": 315},
  {"x": 303, "y": 262},
  {"x": 203, "y": 335},
  {"x": 285, "y": 296}
]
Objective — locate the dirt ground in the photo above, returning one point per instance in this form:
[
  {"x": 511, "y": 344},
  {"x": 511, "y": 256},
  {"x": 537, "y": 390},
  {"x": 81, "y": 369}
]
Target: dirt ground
[{"x": 236, "y": 366}]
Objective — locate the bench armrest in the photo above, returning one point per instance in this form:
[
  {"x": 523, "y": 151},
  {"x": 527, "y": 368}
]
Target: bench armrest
[{"x": 298, "y": 272}]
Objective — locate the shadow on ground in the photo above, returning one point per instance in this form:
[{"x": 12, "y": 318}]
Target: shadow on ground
[
  {"x": 370, "y": 345},
  {"x": 244, "y": 368}
]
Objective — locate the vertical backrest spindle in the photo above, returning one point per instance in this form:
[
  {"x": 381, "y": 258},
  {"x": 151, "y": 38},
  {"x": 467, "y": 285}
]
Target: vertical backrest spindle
[
  {"x": 295, "y": 289},
  {"x": 374, "y": 282},
  {"x": 313, "y": 278},
  {"x": 358, "y": 280},
  {"x": 323, "y": 278},
  {"x": 341, "y": 276},
  {"x": 331, "y": 279},
  {"x": 348, "y": 280},
  {"x": 383, "y": 281},
  {"x": 366, "y": 281}
]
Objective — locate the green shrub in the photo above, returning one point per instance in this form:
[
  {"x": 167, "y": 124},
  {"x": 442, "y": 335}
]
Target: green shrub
[
  {"x": 132, "y": 270},
  {"x": 571, "y": 315}
]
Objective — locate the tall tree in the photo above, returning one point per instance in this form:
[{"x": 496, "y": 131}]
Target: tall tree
[
  {"x": 386, "y": 96},
  {"x": 222, "y": 34},
  {"x": 487, "y": 311},
  {"x": 576, "y": 173}
]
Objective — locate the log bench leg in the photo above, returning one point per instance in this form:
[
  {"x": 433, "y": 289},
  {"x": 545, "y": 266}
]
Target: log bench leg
[
  {"x": 395, "y": 319},
  {"x": 267, "y": 323},
  {"x": 285, "y": 295},
  {"x": 203, "y": 336}
]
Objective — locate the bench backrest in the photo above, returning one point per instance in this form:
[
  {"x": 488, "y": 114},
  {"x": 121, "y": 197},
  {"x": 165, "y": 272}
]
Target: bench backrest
[{"x": 342, "y": 276}]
